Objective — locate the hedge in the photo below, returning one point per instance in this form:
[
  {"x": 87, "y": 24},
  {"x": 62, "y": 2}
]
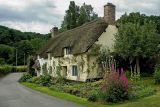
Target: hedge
[{"x": 5, "y": 69}]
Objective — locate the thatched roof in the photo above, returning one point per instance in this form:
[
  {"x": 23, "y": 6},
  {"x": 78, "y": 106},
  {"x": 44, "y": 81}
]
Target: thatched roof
[{"x": 79, "y": 39}]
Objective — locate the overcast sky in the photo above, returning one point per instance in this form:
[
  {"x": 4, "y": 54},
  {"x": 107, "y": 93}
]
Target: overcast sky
[{"x": 41, "y": 15}]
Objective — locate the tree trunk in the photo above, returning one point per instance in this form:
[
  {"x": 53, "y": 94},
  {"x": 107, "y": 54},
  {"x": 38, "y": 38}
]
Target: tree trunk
[
  {"x": 135, "y": 72},
  {"x": 138, "y": 67},
  {"x": 131, "y": 71}
]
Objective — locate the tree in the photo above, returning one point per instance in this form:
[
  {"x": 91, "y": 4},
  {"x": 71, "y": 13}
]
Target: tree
[
  {"x": 6, "y": 53},
  {"x": 76, "y": 16},
  {"x": 70, "y": 19},
  {"x": 86, "y": 14},
  {"x": 11, "y": 38},
  {"x": 37, "y": 43},
  {"x": 140, "y": 18},
  {"x": 24, "y": 49},
  {"x": 135, "y": 41}
]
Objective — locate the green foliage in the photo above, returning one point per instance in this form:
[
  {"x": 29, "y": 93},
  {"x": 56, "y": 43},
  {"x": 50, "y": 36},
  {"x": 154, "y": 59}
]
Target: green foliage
[
  {"x": 116, "y": 93},
  {"x": 44, "y": 68},
  {"x": 20, "y": 69},
  {"x": 141, "y": 19},
  {"x": 128, "y": 74},
  {"x": 37, "y": 43},
  {"x": 140, "y": 91},
  {"x": 6, "y": 53},
  {"x": 157, "y": 74},
  {"x": 2, "y": 61},
  {"x": 152, "y": 101},
  {"x": 10, "y": 36},
  {"x": 92, "y": 97},
  {"x": 95, "y": 50},
  {"x": 70, "y": 19},
  {"x": 25, "y": 43},
  {"x": 24, "y": 48},
  {"x": 43, "y": 80},
  {"x": 26, "y": 77},
  {"x": 58, "y": 71},
  {"x": 31, "y": 62},
  {"x": 77, "y": 88},
  {"x": 35, "y": 80},
  {"x": 115, "y": 88},
  {"x": 5, "y": 69},
  {"x": 135, "y": 40},
  {"x": 104, "y": 55},
  {"x": 76, "y": 16},
  {"x": 86, "y": 14},
  {"x": 47, "y": 80}
]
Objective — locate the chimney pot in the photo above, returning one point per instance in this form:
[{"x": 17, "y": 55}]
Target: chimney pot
[
  {"x": 54, "y": 32},
  {"x": 109, "y": 13}
]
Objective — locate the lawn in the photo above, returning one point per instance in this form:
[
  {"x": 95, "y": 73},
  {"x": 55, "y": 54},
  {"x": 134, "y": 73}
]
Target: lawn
[{"x": 151, "y": 101}]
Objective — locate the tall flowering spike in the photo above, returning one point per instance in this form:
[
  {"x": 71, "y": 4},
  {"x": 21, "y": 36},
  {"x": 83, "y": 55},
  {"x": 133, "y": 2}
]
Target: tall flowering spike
[
  {"x": 113, "y": 67},
  {"x": 122, "y": 71},
  {"x": 124, "y": 79}
]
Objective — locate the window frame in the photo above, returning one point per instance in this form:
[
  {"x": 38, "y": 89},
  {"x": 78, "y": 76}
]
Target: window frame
[
  {"x": 74, "y": 70},
  {"x": 67, "y": 50}
]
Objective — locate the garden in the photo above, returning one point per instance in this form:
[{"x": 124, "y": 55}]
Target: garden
[{"x": 115, "y": 89}]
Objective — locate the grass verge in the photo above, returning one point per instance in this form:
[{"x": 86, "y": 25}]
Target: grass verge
[
  {"x": 61, "y": 95},
  {"x": 151, "y": 101}
]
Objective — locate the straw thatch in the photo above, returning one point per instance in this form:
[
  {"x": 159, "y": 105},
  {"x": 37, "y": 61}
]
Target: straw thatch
[{"x": 79, "y": 39}]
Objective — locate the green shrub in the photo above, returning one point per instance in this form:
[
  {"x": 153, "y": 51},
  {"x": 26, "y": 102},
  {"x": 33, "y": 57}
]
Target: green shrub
[
  {"x": 45, "y": 80},
  {"x": 26, "y": 77},
  {"x": 2, "y": 61},
  {"x": 21, "y": 69},
  {"x": 5, "y": 69},
  {"x": 157, "y": 74},
  {"x": 140, "y": 91},
  {"x": 115, "y": 88},
  {"x": 115, "y": 93},
  {"x": 35, "y": 80},
  {"x": 92, "y": 97},
  {"x": 128, "y": 74},
  {"x": 146, "y": 74}
]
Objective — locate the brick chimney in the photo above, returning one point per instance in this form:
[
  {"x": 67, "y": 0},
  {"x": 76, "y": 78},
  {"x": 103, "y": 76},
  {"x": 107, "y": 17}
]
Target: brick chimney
[
  {"x": 109, "y": 13},
  {"x": 54, "y": 32}
]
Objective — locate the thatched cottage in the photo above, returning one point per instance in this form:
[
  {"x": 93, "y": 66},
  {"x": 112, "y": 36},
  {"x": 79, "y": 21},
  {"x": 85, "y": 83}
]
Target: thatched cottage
[{"x": 71, "y": 54}]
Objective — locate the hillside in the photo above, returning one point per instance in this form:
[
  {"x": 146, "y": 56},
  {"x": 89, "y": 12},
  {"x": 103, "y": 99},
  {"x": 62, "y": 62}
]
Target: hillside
[{"x": 26, "y": 43}]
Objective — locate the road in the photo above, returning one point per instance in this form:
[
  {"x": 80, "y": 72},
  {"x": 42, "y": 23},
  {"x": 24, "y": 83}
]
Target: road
[{"x": 13, "y": 94}]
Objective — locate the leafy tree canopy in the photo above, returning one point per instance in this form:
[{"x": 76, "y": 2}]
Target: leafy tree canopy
[
  {"x": 24, "y": 42},
  {"x": 140, "y": 19},
  {"x": 137, "y": 37},
  {"x": 76, "y": 16}
]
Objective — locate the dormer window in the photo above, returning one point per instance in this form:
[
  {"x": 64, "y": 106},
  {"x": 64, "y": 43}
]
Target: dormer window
[{"x": 67, "y": 50}]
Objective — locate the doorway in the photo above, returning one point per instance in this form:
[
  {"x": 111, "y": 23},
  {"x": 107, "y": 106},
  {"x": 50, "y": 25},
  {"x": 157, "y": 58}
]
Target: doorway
[{"x": 64, "y": 71}]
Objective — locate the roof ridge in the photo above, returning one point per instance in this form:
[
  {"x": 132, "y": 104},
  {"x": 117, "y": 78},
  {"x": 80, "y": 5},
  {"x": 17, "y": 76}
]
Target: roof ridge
[
  {"x": 81, "y": 38},
  {"x": 85, "y": 24}
]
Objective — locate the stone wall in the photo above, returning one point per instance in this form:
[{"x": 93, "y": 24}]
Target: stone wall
[{"x": 64, "y": 64}]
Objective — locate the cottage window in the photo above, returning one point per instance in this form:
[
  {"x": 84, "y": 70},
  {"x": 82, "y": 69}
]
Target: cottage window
[
  {"x": 67, "y": 50},
  {"x": 74, "y": 70}
]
